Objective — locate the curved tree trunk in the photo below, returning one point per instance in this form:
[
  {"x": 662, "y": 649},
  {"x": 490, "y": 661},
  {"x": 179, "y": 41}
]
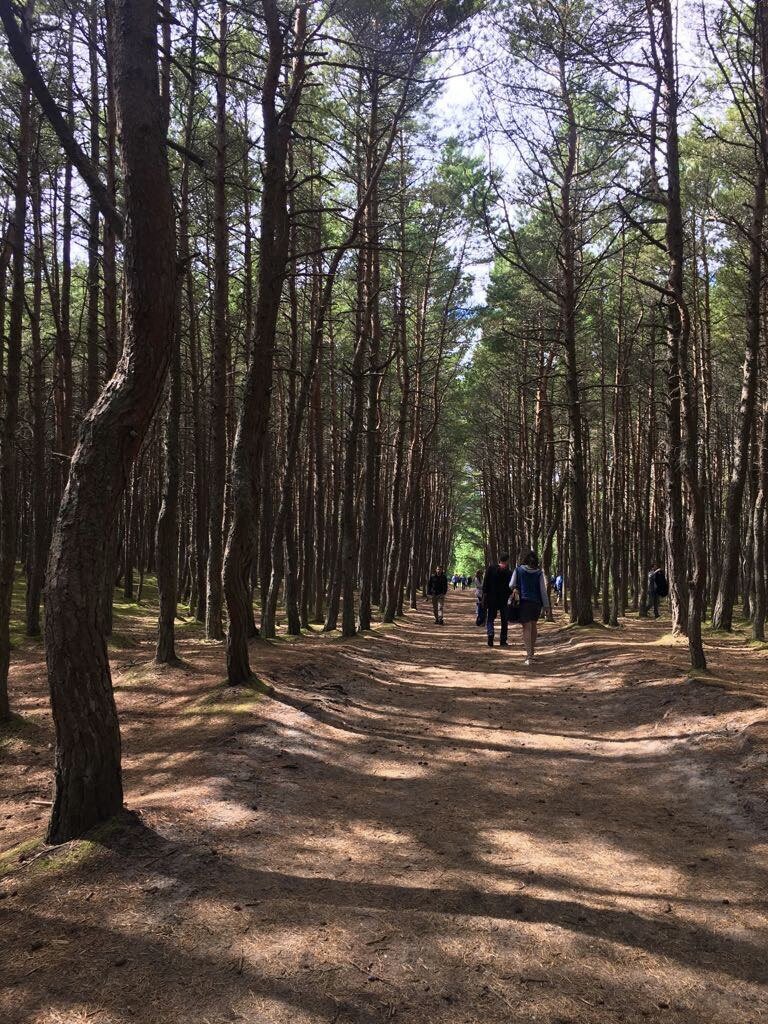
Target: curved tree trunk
[{"x": 88, "y": 785}]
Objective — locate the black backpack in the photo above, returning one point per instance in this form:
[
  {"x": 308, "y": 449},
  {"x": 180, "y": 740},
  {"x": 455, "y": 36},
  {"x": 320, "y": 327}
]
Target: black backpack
[{"x": 662, "y": 586}]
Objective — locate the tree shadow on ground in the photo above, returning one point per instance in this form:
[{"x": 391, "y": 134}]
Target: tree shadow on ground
[{"x": 451, "y": 807}]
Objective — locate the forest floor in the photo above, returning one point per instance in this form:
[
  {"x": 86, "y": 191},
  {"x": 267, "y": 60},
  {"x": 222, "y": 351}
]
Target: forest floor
[{"x": 416, "y": 829}]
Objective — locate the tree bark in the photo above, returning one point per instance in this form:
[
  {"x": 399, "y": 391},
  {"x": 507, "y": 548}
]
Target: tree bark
[
  {"x": 252, "y": 427},
  {"x": 214, "y": 628},
  {"x": 38, "y": 541},
  {"x": 722, "y": 617},
  {"x": 9, "y": 467},
  {"x": 581, "y": 577},
  {"x": 92, "y": 283},
  {"x": 88, "y": 784}
]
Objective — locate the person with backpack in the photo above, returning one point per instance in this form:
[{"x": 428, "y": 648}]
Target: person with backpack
[
  {"x": 529, "y": 593},
  {"x": 495, "y": 599},
  {"x": 437, "y": 588},
  {"x": 658, "y": 587},
  {"x": 558, "y": 587}
]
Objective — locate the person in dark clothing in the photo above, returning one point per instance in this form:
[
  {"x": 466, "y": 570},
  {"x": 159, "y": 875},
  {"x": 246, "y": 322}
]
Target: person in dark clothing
[
  {"x": 495, "y": 598},
  {"x": 657, "y": 588},
  {"x": 437, "y": 588},
  {"x": 653, "y": 596}
]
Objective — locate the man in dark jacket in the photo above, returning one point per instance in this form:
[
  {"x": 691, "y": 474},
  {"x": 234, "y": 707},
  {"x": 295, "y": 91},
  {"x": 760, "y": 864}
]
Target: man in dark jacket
[
  {"x": 437, "y": 588},
  {"x": 495, "y": 598},
  {"x": 657, "y": 588}
]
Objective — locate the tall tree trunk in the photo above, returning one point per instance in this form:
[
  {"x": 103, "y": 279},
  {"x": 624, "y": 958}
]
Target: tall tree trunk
[
  {"x": 9, "y": 466},
  {"x": 682, "y": 458},
  {"x": 167, "y": 534},
  {"x": 394, "y": 546},
  {"x": 88, "y": 785},
  {"x": 581, "y": 577},
  {"x": 349, "y": 533},
  {"x": 618, "y": 514},
  {"x": 662, "y": 39},
  {"x": 219, "y": 345},
  {"x": 63, "y": 387},
  {"x": 369, "y": 513},
  {"x": 759, "y": 526},
  {"x": 252, "y": 428},
  {"x": 92, "y": 285},
  {"x": 760, "y": 513},
  {"x": 722, "y": 617},
  {"x": 39, "y": 482},
  {"x": 201, "y": 503},
  {"x": 112, "y": 334}
]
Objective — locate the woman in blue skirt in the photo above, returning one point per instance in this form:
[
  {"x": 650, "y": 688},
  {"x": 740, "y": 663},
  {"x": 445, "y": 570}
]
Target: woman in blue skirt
[{"x": 529, "y": 590}]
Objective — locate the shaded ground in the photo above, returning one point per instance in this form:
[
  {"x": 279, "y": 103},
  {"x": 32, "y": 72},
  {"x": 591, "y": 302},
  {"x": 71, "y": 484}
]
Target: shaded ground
[{"x": 419, "y": 830}]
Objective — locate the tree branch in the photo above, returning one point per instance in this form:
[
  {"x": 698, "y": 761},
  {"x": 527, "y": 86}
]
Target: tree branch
[{"x": 22, "y": 56}]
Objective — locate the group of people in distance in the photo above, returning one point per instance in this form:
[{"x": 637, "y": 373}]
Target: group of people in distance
[{"x": 518, "y": 595}]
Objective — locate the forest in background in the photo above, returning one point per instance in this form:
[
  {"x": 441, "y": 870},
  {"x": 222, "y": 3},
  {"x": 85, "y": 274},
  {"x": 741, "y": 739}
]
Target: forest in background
[{"x": 240, "y": 347}]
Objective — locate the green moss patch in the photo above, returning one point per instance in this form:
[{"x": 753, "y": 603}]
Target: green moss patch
[
  {"x": 12, "y": 859},
  {"x": 703, "y": 675},
  {"x": 232, "y": 700},
  {"x": 20, "y": 730},
  {"x": 146, "y": 673},
  {"x": 593, "y": 627},
  {"x": 58, "y": 858},
  {"x": 121, "y": 641},
  {"x": 189, "y": 626},
  {"x": 282, "y": 638},
  {"x": 669, "y": 640}
]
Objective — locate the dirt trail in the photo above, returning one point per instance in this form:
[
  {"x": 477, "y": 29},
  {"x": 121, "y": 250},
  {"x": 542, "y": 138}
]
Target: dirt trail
[{"x": 419, "y": 829}]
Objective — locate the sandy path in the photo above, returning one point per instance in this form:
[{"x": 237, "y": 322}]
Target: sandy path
[{"x": 420, "y": 830}]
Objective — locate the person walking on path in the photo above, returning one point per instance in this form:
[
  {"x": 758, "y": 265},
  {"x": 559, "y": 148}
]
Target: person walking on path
[
  {"x": 437, "y": 588},
  {"x": 529, "y": 589},
  {"x": 495, "y": 599},
  {"x": 479, "y": 605},
  {"x": 657, "y": 588}
]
